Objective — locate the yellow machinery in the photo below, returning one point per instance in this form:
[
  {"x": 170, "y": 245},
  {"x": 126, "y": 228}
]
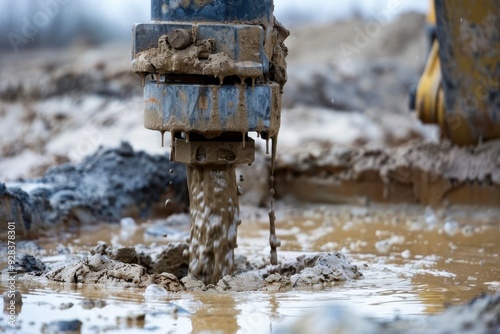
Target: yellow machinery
[{"x": 460, "y": 87}]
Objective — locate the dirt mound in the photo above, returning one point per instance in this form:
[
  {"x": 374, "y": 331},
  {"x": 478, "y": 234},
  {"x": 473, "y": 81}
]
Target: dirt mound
[
  {"x": 106, "y": 186},
  {"x": 167, "y": 267},
  {"x": 99, "y": 269},
  {"x": 429, "y": 173}
]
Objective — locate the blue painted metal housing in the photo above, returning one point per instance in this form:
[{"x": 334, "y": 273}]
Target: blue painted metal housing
[
  {"x": 212, "y": 10},
  {"x": 230, "y": 39},
  {"x": 212, "y": 108}
]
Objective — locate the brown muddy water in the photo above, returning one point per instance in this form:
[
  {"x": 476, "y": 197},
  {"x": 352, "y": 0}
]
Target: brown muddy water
[{"x": 414, "y": 261}]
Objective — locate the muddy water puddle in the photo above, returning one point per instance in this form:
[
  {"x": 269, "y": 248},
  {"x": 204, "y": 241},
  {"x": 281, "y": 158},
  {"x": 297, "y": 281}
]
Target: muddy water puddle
[{"x": 414, "y": 261}]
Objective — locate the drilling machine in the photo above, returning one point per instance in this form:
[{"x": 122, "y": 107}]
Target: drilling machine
[
  {"x": 460, "y": 87},
  {"x": 212, "y": 71}
]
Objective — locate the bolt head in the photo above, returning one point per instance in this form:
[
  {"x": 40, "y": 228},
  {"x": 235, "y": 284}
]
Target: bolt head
[{"x": 179, "y": 39}]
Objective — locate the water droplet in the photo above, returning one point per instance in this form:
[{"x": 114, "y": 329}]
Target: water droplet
[
  {"x": 128, "y": 223},
  {"x": 406, "y": 254},
  {"x": 451, "y": 227},
  {"x": 155, "y": 292},
  {"x": 168, "y": 203},
  {"x": 171, "y": 171}
]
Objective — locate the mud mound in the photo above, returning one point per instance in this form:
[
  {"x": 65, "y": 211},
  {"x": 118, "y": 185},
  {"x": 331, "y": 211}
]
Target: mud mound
[
  {"x": 427, "y": 172},
  {"x": 106, "y": 186},
  {"x": 166, "y": 266},
  {"x": 99, "y": 269},
  {"x": 320, "y": 269}
]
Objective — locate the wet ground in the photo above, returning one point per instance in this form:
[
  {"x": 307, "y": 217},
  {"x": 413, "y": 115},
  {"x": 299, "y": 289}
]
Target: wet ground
[{"x": 414, "y": 261}]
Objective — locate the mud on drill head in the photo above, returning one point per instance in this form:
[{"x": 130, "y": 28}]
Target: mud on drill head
[{"x": 212, "y": 71}]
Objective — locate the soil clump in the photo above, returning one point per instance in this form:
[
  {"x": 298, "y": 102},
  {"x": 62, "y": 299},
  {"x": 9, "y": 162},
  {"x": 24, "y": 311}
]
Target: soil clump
[{"x": 106, "y": 186}]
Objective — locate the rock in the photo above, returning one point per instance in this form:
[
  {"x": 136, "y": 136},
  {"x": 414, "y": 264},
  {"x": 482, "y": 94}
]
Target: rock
[
  {"x": 277, "y": 282},
  {"x": 192, "y": 284},
  {"x": 98, "y": 269},
  {"x": 242, "y": 282},
  {"x": 124, "y": 254},
  {"x": 100, "y": 249},
  {"x": 62, "y": 327},
  {"x": 320, "y": 269},
  {"x": 171, "y": 260},
  {"x": 26, "y": 263},
  {"x": 168, "y": 281}
]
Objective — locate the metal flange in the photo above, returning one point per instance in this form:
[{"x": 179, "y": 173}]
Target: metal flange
[
  {"x": 214, "y": 152},
  {"x": 212, "y": 108}
]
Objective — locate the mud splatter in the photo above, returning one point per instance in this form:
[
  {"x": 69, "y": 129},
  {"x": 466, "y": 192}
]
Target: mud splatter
[{"x": 101, "y": 270}]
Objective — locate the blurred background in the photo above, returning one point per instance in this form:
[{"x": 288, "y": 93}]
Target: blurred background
[
  {"x": 66, "y": 85},
  {"x": 93, "y": 21}
]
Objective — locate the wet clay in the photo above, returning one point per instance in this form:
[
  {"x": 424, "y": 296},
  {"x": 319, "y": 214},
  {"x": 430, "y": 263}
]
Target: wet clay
[
  {"x": 311, "y": 271},
  {"x": 104, "y": 187},
  {"x": 127, "y": 266},
  {"x": 214, "y": 220},
  {"x": 200, "y": 57},
  {"x": 196, "y": 59}
]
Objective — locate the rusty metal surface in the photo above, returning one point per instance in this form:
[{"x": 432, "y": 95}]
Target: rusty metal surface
[
  {"x": 212, "y": 108},
  {"x": 468, "y": 32},
  {"x": 214, "y": 152}
]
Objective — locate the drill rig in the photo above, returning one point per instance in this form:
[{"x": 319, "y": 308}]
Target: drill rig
[{"x": 212, "y": 71}]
